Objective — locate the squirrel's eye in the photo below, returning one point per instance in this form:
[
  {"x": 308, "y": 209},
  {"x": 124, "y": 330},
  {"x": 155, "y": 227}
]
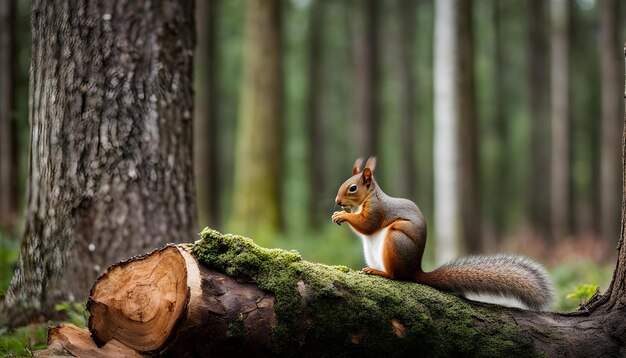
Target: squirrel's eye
[{"x": 352, "y": 188}]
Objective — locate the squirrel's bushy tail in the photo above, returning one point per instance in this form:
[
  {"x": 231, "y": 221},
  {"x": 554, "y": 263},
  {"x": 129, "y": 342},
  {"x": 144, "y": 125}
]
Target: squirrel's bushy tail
[{"x": 499, "y": 275}]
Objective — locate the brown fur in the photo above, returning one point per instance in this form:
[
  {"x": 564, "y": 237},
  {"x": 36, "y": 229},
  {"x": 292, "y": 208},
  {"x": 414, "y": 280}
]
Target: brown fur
[{"x": 403, "y": 246}]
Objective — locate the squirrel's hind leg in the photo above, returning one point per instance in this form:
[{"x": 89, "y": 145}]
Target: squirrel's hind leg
[{"x": 400, "y": 254}]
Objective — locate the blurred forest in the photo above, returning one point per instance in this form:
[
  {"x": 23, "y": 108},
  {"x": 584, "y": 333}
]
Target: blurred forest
[{"x": 501, "y": 119}]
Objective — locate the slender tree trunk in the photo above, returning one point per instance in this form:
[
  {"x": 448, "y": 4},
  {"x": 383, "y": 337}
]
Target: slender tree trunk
[
  {"x": 258, "y": 166},
  {"x": 502, "y": 184},
  {"x": 110, "y": 171},
  {"x": 612, "y": 80},
  {"x": 407, "y": 96},
  {"x": 560, "y": 187},
  {"x": 469, "y": 171},
  {"x": 364, "y": 129},
  {"x": 538, "y": 95},
  {"x": 446, "y": 131},
  {"x": 206, "y": 133},
  {"x": 8, "y": 144},
  {"x": 318, "y": 184}
]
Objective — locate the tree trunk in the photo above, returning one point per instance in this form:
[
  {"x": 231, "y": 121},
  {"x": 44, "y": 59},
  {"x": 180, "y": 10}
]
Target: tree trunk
[
  {"x": 110, "y": 170},
  {"x": 273, "y": 303},
  {"x": 365, "y": 124},
  {"x": 8, "y": 145},
  {"x": 258, "y": 163},
  {"x": 469, "y": 171},
  {"x": 612, "y": 80},
  {"x": 446, "y": 132},
  {"x": 318, "y": 184},
  {"x": 539, "y": 174},
  {"x": 407, "y": 177},
  {"x": 560, "y": 183},
  {"x": 502, "y": 172},
  {"x": 206, "y": 133}
]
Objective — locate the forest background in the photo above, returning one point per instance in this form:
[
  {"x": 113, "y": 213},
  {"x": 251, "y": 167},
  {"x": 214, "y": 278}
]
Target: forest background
[{"x": 537, "y": 142}]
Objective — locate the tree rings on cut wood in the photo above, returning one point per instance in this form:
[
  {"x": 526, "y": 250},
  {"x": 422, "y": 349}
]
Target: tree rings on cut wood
[
  {"x": 140, "y": 306},
  {"x": 165, "y": 302}
]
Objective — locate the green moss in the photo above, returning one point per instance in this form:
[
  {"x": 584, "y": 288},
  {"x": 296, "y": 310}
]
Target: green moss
[{"x": 330, "y": 310}]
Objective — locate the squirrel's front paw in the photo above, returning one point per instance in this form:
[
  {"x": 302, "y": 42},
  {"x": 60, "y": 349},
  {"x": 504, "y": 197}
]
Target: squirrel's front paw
[
  {"x": 338, "y": 217},
  {"x": 368, "y": 270}
]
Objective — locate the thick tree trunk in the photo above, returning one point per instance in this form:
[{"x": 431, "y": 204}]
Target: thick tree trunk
[
  {"x": 560, "y": 166},
  {"x": 258, "y": 163},
  {"x": 365, "y": 124},
  {"x": 206, "y": 132},
  {"x": 612, "y": 80},
  {"x": 274, "y": 303},
  {"x": 8, "y": 145},
  {"x": 469, "y": 171},
  {"x": 446, "y": 199},
  {"x": 110, "y": 170},
  {"x": 538, "y": 95}
]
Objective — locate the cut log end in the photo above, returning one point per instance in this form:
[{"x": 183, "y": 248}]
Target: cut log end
[{"x": 140, "y": 307}]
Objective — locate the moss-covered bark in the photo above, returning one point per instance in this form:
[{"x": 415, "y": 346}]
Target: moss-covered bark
[{"x": 331, "y": 310}]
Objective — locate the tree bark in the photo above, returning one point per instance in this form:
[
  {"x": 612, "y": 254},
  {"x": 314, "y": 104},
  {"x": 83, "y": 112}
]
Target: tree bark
[
  {"x": 446, "y": 199},
  {"x": 538, "y": 95},
  {"x": 206, "y": 133},
  {"x": 364, "y": 130},
  {"x": 258, "y": 163},
  {"x": 612, "y": 80},
  {"x": 8, "y": 139},
  {"x": 469, "y": 171},
  {"x": 560, "y": 166},
  {"x": 110, "y": 168},
  {"x": 274, "y": 303}
]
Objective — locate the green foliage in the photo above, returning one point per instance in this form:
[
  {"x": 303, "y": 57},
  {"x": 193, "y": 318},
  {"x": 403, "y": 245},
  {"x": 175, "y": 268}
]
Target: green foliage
[
  {"x": 76, "y": 313},
  {"x": 583, "y": 293},
  {"x": 9, "y": 253},
  {"x": 23, "y": 341},
  {"x": 568, "y": 277}
]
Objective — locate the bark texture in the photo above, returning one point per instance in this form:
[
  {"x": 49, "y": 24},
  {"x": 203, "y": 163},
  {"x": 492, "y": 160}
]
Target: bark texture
[
  {"x": 272, "y": 303},
  {"x": 110, "y": 171},
  {"x": 206, "y": 132},
  {"x": 8, "y": 145},
  {"x": 258, "y": 163}
]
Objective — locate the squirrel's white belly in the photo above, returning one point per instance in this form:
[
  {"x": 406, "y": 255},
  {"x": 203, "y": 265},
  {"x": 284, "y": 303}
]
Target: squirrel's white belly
[{"x": 373, "y": 248}]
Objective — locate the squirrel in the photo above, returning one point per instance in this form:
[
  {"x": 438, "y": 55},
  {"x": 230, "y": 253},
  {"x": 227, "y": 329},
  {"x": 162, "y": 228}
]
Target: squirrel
[{"x": 393, "y": 233}]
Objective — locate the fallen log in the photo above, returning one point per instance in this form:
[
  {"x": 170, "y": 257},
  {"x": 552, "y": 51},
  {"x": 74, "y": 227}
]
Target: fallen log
[{"x": 226, "y": 296}]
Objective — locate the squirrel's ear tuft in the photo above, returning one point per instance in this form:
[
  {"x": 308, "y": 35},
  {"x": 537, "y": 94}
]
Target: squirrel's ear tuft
[
  {"x": 371, "y": 163},
  {"x": 367, "y": 175},
  {"x": 357, "y": 166}
]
